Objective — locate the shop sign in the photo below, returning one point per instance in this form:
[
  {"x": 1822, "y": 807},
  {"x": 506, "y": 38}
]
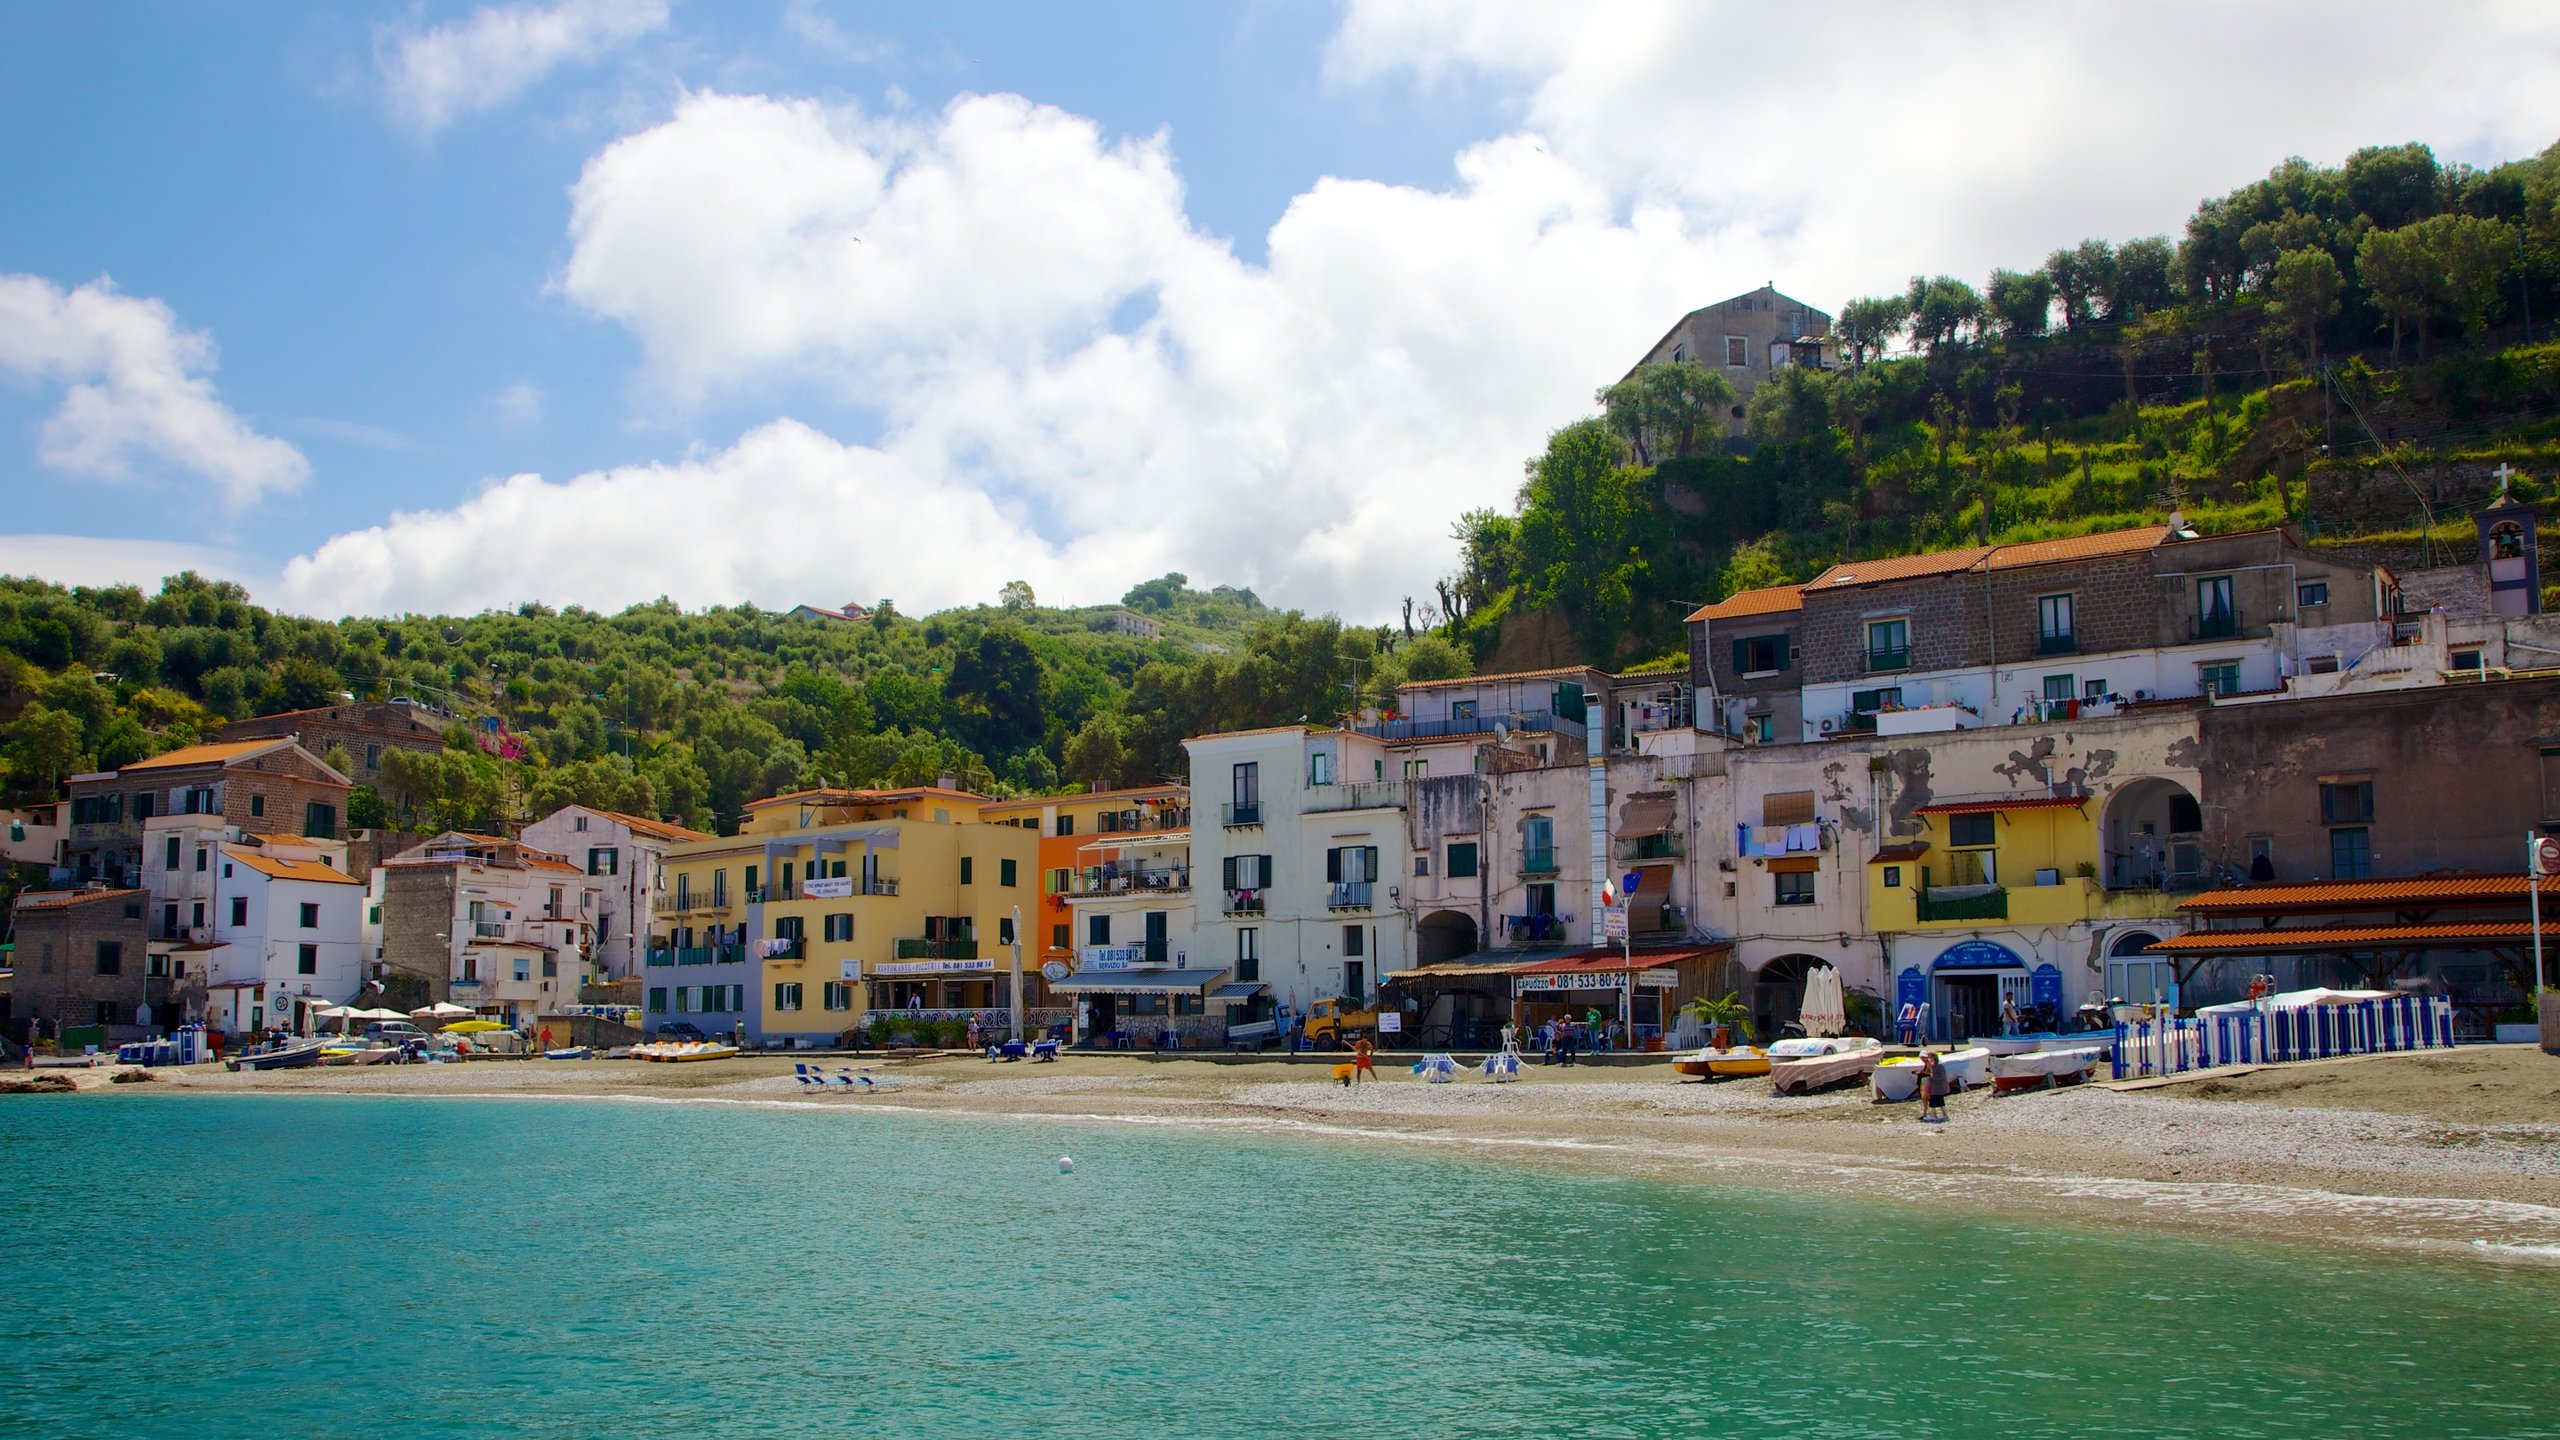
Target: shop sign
[
  {"x": 933, "y": 967},
  {"x": 1390, "y": 1022},
  {"x": 1054, "y": 971},
  {"x": 1112, "y": 957},
  {"x": 1613, "y": 923},
  {"x": 852, "y": 970},
  {"x": 833, "y": 887},
  {"x": 1599, "y": 980}
]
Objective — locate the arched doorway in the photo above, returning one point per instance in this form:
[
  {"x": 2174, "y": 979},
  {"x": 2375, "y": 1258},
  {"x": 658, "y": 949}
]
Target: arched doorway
[
  {"x": 2154, "y": 837},
  {"x": 2133, "y": 977},
  {"x": 1777, "y": 994},
  {"x": 1444, "y": 935}
]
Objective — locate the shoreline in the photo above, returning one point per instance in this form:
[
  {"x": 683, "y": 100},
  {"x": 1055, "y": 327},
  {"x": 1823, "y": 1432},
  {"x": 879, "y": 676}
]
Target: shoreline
[{"x": 2434, "y": 1152}]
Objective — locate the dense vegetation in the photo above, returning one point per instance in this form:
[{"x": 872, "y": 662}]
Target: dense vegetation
[
  {"x": 657, "y": 711},
  {"x": 2249, "y": 373}
]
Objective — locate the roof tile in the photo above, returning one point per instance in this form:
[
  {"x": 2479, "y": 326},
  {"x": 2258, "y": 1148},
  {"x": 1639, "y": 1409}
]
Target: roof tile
[{"x": 1743, "y": 604}]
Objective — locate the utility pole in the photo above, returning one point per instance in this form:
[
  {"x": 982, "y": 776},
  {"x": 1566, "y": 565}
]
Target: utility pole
[{"x": 1017, "y": 972}]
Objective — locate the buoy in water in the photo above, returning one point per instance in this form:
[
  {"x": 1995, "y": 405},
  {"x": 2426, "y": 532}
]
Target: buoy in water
[{"x": 1066, "y": 1165}]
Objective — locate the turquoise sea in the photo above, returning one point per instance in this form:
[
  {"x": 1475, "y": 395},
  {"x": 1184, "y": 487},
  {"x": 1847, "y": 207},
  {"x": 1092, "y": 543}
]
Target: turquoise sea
[{"x": 291, "y": 1266}]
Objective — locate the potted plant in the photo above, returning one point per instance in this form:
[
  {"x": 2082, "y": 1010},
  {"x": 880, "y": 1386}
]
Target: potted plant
[{"x": 1724, "y": 1018}]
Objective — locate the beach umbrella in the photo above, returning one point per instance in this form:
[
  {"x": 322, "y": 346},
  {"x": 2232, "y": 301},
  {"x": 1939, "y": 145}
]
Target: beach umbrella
[
  {"x": 375, "y": 1015},
  {"x": 441, "y": 1010}
]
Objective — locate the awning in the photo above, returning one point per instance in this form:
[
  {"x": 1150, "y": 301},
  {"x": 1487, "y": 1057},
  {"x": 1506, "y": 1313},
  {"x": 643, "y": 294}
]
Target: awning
[
  {"x": 2302, "y": 940},
  {"x": 2346, "y": 897},
  {"x": 1452, "y": 972},
  {"x": 1236, "y": 990},
  {"x": 927, "y": 969},
  {"x": 1902, "y": 854},
  {"x": 1795, "y": 864},
  {"x": 1139, "y": 982},
  {"x": 2022, "y": 802}
]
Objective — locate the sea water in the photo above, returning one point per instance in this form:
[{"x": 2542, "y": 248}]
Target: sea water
[{"x": 289, "y": 1266}]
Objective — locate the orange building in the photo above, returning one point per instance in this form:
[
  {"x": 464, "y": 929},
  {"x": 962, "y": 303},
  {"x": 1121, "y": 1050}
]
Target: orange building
[{"x": 1068, "y": 824}]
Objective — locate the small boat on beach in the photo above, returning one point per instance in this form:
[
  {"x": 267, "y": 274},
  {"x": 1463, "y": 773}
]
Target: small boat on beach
[
  {"x": 2043, "y": 1069},
  {"x": 2104, "y": 1040},
  {"x": 1899, "y": 1077},
  {"x": 355, "y": 1055},
  {"x": 1710, "y": 1062},
  {"x": 1814, "y": 1063},
  {"x": 567, "y": 1052},
  {"x": 285, "y": 1057},
  {"x": 683, "y": 1052}
]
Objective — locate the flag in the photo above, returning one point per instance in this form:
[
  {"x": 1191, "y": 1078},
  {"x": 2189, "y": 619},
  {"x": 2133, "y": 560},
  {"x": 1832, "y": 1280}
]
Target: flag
[
  {"x": 1634, "y": 879},
  {"x": 1608, "y": 893}
]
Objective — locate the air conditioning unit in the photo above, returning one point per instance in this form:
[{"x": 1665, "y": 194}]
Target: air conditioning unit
[
  {"x": 1829, "y": 725},
  {"x": 2141, "y": 694}
]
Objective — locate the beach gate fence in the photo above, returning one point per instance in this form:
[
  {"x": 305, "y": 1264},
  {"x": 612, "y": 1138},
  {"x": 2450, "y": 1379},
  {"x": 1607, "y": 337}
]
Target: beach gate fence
[
  {"x": 2267, "y": 1035},
  {"x": 2146, "y": 1048}
]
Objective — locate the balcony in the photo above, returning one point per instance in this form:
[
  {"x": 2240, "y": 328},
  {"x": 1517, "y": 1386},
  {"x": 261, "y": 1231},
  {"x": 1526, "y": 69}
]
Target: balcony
[
  {"x": 1103, "y": 881},
  {"x": 1885, "y": 662},
  {"x": 1128, "y": 956},
  {"x": 1460, "y": 725},
  {"x": 1349, "y": 895},
  {"x": 2063, "y": 644},
  {"x": 691, "y": 903},
  {"x": 1163, "y": 819},
  {"x": 772, "y": 894},
  {"x": 794, "y": 948},
  {"x": 1533, "y": 929},
  {"x": 931, "y": 947},
  {"x": 1539, "y": 862},
  {"x": 1966, "y": 902},
  {"x": 696, "y": 954},
  {"x": 1666, "y": 845},
  {"x": 1237, "y": 815},
  {"x": 1244, "y": 902},
  {"x": 489, "y": 929},
  {"x": 2214, "y": 627},
  {"x": 1365, "y": 795}
]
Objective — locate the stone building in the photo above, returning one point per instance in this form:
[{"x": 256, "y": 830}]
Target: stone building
[
  {"x": 363, "y": 730},
  {"x": 485, "y": 922},
  {"x": 272, "y": 786},
  {"x": 1746, "y": 339},
  {"x": 81, "y": 961}
]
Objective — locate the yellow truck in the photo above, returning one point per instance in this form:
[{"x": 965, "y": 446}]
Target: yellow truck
[{"x": 1333, "y": 1024}]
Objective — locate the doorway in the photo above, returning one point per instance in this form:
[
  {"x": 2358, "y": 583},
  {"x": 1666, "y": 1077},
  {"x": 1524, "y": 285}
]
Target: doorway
[{"x": 1969, "y": 1001}]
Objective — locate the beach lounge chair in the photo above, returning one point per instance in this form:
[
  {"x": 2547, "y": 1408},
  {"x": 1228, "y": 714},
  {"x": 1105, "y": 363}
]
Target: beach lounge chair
[{"x": 809, "y": 1076}]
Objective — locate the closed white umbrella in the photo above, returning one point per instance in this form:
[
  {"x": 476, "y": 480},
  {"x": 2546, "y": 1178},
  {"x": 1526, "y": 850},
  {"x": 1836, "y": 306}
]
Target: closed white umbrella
[{"x": 1825, "y": 1012}]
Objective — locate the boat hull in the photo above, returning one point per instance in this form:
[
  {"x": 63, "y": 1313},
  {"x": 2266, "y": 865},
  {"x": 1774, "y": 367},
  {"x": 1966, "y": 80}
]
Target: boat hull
[
  {"x": 293, "y": 1059},
  {"x": 2044, "y": 1069},
  {"x": 1820, "y": 1072},
  {"x": 1710, "y": 1064}
]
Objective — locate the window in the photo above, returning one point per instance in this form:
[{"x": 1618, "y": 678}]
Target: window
[
  {"x": 1417, "y": 769},
  {"x": 239, "y": 910},
  {"x": 172, "y": 862},
  {"x": 1795, "y": 888},
  {"x": 307, "y": 960},
  {"x": 2262, "y": 856},
  {"x": 2346, "y": 802},
  {"x": 657, "y": 999},
  {"x": 2506, "y": 541},
  {"x": 2216, "y": 616},
  {"x": 1354, "y": 940},
  {"x": 2311, "y": 594},
  {"x": 1351, "y": 865},
  {"x": 110, "y": 957},
  {"x": 2060, "y": 687},
  {"x": 1004, "y": 929},
  {"x": 1059, "y": 881},
  {"x": 790, "y": 927},
  {"x": 1247, "y": 872},
  {"x": 2467, "y": 659},
  {"x": 968, "y": 870},
  {"x": 1964, "y": 830},
  {"x": 1737, "y": 351},
  {"x": 1872, "y": 702},
  {"x": 1097, "y": 929},
  {"x": 1888, "y": 644},
  {"x": 1005, "y": 874},
  {"x": 1248, "y": 954},
  {"x": 2093, "y": 690},
  {"x": 839, "y": 927},
  {"x": 1421, "y": 863},
  {"x": 373, "y": 761},
  {"x": 2218, "y": 677},
  {"x": 1462, "y": 859},
  {"x": 604, "y": 860},
  {"x": 1761, "y": 729},
  {"x": 142, "y": 803},
  {"x": 1061, "y": 937},
  {"x": 257, "y": 806},
  {"x": 2351, "y": 853},
  {"x": 786, "y": 995},
  {"x": 195, "y": 914},
  {"x": 1320, "y": 767},
  {"x": 524, "y": 969},
  {"x": 1462, "y": 710},
  {"x": 2053, "y": 623},
  {"x": 168, "y": 920},
  {"x": 319, "y": 821},
  {"x": 1893, "y": 877},
  {"x": 310, "y": 916},
  {"x": 1759, "y": 654},
  {"x": 1679, "y": 353},
  {"x": 1248, "y": 782}
]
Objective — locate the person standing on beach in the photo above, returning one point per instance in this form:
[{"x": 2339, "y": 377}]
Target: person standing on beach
[
  {"x": 1565, "y": 1037},
  {"x": 2008, "y": 1014},
  {"x": 1361, "y": 1054},
  {"x": 1933, "y": 1088}
]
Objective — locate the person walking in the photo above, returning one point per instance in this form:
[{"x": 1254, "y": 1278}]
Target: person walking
[
  {"x": 1933, "y": 1089},
  {"x": 1566, "y": 1036},
  {"x": 2008, "y": 1014}
]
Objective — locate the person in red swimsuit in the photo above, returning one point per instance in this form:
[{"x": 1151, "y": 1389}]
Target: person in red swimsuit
[{"x": 1361, "y": 1052}]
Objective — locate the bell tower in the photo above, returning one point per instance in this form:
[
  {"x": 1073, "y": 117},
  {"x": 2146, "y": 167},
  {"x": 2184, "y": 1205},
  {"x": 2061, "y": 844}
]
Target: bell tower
[{"x": 2511, "y": 551}]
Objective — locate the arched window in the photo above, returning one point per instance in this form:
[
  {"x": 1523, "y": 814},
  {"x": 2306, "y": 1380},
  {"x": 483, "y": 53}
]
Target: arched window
[{"x": 2506, "y": 541}]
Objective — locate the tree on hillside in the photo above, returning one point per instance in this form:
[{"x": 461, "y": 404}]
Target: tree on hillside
[
  {"x": 996, "y": 693},
  {"x": 2470, "y": 258},
  {"x": 2144, "y": 278},
  {"x": 42, "y": 746},
  {"x": 1156, "y": 596},
  {"x": 1586, "y": 524},
  {"x": 2081, "y": 277},
  {"x": 2303, "y": 295},
  {"x": 1096, "y": 754},
  {"x": 2394, "y": 185},
  {"x": 1666, "y": 404},
  {"x": 2020, "y": 302},
  {"x": 1944, "y": 311},
  {"x": 1016, "y": 595},
  {"x": 1869, "y": 324},
  {"x": 1754, "y": 565},
  {"x": 2395, "y": 269}
]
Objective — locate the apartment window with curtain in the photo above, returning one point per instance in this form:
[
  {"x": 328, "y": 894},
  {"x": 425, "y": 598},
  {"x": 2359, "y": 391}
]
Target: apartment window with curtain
[
  {"x": 839, "y": 927},
  {"x": 838, "y": 995},
  {"x": 786, "y": 995},
  {"x": 1888, "y": 645},
  {"x": 2217, "y": 616},
  {"x": 2053, "y": 623}
]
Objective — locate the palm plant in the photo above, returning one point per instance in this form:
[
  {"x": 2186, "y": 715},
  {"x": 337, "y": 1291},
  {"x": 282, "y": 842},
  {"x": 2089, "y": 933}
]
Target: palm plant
[{"x": 1728, "y": 1013}]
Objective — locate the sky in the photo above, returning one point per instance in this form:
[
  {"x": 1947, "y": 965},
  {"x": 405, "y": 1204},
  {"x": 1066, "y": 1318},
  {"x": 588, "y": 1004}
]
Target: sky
[{"x": 439, "y": 307}]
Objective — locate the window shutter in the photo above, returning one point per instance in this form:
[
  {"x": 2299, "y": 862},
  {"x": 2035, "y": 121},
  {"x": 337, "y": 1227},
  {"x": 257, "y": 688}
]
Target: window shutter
[
  {"x": 1741, "y": 657},
  {"x": 1229, "y": 864},
  {"x": 1372, "y": 869},
  {"x": 1783, "y": 657},
  {"x": 1333, "y": 866}
]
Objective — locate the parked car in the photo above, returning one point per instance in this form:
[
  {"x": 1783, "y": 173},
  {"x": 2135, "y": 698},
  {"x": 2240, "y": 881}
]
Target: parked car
[
  {"x": 680, "y": 1030},
  {"x": 394, "y": 1033}
]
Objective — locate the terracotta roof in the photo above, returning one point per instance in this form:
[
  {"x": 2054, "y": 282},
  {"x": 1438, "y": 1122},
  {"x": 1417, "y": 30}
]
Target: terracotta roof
[
  {"x": 1896, "y": 567},
  {"x": 1032, "y": 802},
  {"x": 1610, "y": 958},
  {"x": 64, "y": 899},
  {"x": 534, "y": 860},
  {"x": 2023, "y": 802},
  {"x": 2078, "y": 547},
  {"x": 1552, "y": 673},
  {"x": 205, "y": 755},
  {"x": 823, "y": 796},
  {"x": 2424, "y": 891},
  {"x": 1900, "y": 854},
  {"x": 2351, "y": 937},
  {"x": 272, "y": 867},
  {"x": 1741, "y": 604},
  {"x": 661, "y": 829}
]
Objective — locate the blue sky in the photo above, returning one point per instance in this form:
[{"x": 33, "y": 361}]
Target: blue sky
[{"x": 592, "y": 300}]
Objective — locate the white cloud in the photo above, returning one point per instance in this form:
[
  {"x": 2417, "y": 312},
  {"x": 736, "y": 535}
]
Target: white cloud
[
  {"x": 814, "y": 27},
  {"x": 134, "y": 386},
  {"x": 517, "y": 406},
  {"x": 1843, "y": 148},
  {"x": 92, "y": 560},
  {"x": 432, "y": 77}
]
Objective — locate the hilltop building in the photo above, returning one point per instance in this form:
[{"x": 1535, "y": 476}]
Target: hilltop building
[
  {"x": 363, "y": 730},
  {"x": 271, "y": 786},
  {"x": 1747, "y": 339}
]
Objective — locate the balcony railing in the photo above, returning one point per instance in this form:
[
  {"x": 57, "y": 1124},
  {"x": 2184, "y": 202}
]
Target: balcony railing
[
  {"x": 1349, "y": 895},
  {"x": 772, "y": 894},
  {"x": 1096, "y": 881},
  {"x": 1364, "y": 795},
  {"x": 1533, "y": 929},
  {"x": 1458, "y": 725},
  {"x": 686, "y": 902},
  {"x": 696, "y": 954},
  {"x": 489, "y": 929},
  {"x": 2063, "y": 644},
  {"x": 1244, "y": 902},
  {"x": 1666, "y": 845},
  {"x": 2214, "y": 627},
  {"x": 1990, "y": 904},
  {"x": 1137, "y": 822},
  {"x": 795, "y": 948},
  {"x": 1538, "y": 862},
  {"x": 1885, "y": 662},
  {"x": 1235, "y": 815},
  {"x": 931, "y": 947}
]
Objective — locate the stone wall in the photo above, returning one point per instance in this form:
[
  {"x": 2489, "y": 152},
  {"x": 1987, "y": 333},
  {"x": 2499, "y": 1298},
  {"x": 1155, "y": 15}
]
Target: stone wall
[
  {"x": 1944, "y": 612},
  {"x": 2113, "y": 606},
  {"x": 57, "y": 979},
  {"x": 417, "y": 924}
]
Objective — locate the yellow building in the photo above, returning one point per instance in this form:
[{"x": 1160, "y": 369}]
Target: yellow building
[
  {"x": 1983, "y": 910},
  {"x": 1077, "y": 834},
  {"x": 830, "y": 903}
]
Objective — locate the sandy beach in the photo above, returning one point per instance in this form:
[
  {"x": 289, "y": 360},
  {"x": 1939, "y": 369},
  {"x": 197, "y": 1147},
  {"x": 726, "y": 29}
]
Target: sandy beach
[{"x": 2458, "y": 1149}]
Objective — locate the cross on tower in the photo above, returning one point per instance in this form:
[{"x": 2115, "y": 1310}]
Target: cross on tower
[{"x": 2504, "y": 472}]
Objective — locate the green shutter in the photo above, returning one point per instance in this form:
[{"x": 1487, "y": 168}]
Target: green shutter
[{"x": 1782, "y": 651}]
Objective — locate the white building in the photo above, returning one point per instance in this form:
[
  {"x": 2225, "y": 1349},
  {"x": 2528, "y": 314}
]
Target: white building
[
  {"x": 623, "y": 855},
  {"x": 287, "y": 930},
  {"x": 486, "y": 922}
]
